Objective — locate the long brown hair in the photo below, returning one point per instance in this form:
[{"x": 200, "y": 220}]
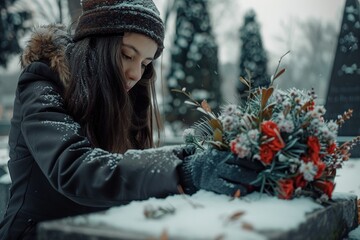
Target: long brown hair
[{"x": 113, "y": 119}]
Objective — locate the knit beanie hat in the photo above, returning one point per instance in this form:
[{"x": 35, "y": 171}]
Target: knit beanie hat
[{"x": 114, "y": 17}]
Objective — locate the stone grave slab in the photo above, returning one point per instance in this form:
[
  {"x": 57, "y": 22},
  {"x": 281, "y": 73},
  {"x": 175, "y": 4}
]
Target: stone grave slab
[{"x": 333, "y": 221}]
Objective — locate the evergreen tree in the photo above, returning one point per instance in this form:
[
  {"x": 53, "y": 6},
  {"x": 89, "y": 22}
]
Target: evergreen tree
[
  {"x": 253, "y": 58},
  {"x": 344, "y": 88},
  {"x": 11, "y": 29},
  {"x": 194, "y": 64}
]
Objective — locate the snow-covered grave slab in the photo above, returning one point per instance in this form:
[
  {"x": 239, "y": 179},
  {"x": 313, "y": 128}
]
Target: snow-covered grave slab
[{"x": 206, "y": 215}]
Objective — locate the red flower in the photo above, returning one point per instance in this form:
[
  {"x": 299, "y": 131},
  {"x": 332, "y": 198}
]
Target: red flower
[
  {"x": 321, "y": 167},
  {"x": 313, "y": 148},
  {"x": 276, "y": 144},
  {"x": 313, "y": 144},
  {"x": 269, "y": 128},
  {"x": 286, "y": 188},
  {"x": 326, "y": 187},
  {"x": 300, "y": 181},
  {"x": 331, "y": 148},
  {"x": 233, "y": 146},
  {"x": 305, "y": 158},
  {"x": 311, "y": 106},
  {"x": 266, "y": 154}
]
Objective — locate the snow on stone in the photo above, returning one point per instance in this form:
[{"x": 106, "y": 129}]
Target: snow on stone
[
  {"x": 348, "y": 178},
  {"x": 212, "y": 217}
]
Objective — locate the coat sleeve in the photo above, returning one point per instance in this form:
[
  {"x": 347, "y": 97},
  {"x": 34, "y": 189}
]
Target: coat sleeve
[{"x": 86, "y": 175}]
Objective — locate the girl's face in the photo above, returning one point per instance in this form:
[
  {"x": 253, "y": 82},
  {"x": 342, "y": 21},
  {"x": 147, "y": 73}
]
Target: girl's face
[{"x": 137, "y": 51}]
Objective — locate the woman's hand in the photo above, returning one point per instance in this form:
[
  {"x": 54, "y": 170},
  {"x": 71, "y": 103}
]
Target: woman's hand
[{"x": 215, "y": 171}]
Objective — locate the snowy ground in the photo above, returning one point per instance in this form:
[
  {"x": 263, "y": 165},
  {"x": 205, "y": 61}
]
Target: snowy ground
[{"x": 348, "y": 178}]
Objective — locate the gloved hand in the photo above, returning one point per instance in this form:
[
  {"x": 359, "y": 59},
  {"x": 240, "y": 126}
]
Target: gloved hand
[
  {"x": 183, "y": 152},
  {"x": 216, "y": 171}
]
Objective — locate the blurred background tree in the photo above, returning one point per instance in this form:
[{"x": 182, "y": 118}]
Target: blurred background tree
[
  {"x": 13, "y": 26},
  {"x": 18, "y": 16},
  {"x": 253, "y": 57},
  {"x": 194, "y": 64}
]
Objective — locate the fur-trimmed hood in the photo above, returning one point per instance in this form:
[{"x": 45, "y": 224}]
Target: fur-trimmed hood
[{"x": 49, "y": 43}]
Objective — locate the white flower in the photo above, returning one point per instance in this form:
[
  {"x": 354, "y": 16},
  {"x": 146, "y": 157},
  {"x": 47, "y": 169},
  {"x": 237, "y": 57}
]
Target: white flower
[
  {"x": 229, "y": 123},
  {"x": 229, "y": 109},
  {"x": 320, "y": 109},
  {"x": 286, "y": 103},
  {"x": 333, "y": 127},
  {"x": 309, "y": 170},
  {"x": 286, "y": 126},
  {"x": 278, "y": 97},
  {"x": 315, "y": 123},
  {"x": 315, "y": 114},
  {"x": 240, "y": 146},
  {"x": 253, "y": 135},
  {"x": 327, "y": 134},
  {"x": 240, "y": 149}
]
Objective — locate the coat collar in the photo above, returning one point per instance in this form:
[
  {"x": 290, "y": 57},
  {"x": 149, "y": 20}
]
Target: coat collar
[{"x": 49, "y": 43}]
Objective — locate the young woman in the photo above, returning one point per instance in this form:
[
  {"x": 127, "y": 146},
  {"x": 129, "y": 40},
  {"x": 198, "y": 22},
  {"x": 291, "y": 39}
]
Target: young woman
[{"x": 81, "y": 134}]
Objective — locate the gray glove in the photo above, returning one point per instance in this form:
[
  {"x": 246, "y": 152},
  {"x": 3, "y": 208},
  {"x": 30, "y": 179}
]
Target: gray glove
[{"x": 216, "y": 171}]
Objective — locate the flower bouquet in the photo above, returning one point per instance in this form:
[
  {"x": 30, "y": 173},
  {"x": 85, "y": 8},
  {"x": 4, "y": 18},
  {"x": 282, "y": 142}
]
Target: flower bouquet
[{"x": 280, "y": 134}]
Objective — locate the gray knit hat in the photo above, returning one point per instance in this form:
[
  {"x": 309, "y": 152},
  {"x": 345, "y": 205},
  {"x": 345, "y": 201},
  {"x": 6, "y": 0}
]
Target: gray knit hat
[{"x": 112, "y": 17}]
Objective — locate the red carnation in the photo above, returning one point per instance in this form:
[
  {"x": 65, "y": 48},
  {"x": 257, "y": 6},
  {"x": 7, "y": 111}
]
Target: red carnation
[
  {"x": 300, "y": 181},
  {"x": 233, "y": 146},
  {"x": 313, "y": 148},
  {"x": 266, "y": 154},
  {"x": 276, "y": 144},
  {"x": 286, "y": 188},
  {"x": 269, "y": 128},
  {"x": 326, "y": 187},
  {"x": 331, "y": 148},
  {"x": 321, "y": 167}
]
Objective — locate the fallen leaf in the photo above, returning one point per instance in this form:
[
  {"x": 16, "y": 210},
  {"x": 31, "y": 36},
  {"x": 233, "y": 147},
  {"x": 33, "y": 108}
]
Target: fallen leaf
[
  {"x": 247, "y": 226},
  {"x": 237, "y": 193},
  {"x": 164, "y": 235},
  {"x": 236, "y": 215}
]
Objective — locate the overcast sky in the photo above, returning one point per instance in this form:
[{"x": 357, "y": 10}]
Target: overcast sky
[{"x": 271, "y": 14}]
